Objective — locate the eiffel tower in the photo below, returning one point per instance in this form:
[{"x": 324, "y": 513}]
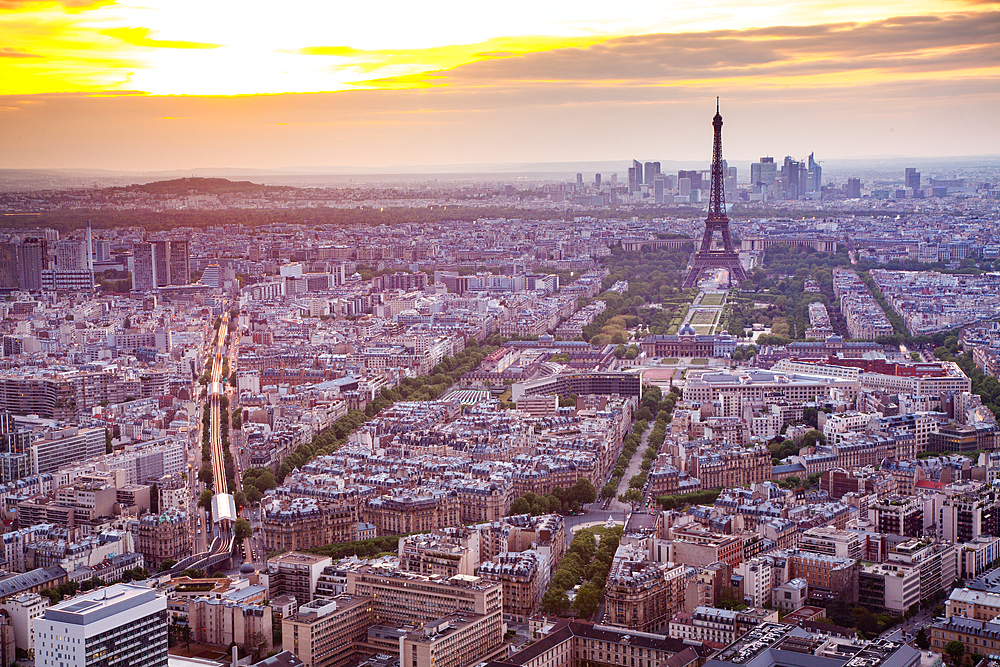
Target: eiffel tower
[{"x": 705, "y": 258}]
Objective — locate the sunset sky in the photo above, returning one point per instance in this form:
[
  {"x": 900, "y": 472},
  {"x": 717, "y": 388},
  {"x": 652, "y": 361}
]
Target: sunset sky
[{"x": 182, "y": 84}]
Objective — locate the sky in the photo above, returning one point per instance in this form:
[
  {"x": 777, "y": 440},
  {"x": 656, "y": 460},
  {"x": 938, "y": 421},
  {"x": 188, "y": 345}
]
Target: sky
[{"x": 182, "y": 84}]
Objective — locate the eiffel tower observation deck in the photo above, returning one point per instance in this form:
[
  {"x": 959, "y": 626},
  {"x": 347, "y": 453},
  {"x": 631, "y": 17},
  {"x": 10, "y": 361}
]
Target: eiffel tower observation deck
[{"x": 706, "y": 258}]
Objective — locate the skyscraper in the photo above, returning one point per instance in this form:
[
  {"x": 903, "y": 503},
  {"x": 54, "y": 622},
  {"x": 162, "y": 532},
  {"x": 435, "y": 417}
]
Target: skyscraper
[
  {"x": 161, "y": 256},
  {"x": 912, "y": 178},
  {"x": 763, "y": 173},
  {"x": 117, "y": 625},
  {"x": 853, "y": 188},
  {"x": 71, "y": 255},
  {"x": 180, "y": 262},
  {"x": 693, "y": 176},
  {"x": 650, "y": 171},
  {"x": 144, "y": 267},
  {"x": 814, "y": 175},
  {"x": 791, "y": 173},
  {"x": 638, "y": 171},
  {"x": 31, "y": 259},
  {"x": 597, "y": 181}
]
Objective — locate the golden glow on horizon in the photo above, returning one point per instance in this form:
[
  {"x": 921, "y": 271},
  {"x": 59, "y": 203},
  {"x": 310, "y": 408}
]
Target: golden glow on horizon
[{"x": 189, "y": 47}]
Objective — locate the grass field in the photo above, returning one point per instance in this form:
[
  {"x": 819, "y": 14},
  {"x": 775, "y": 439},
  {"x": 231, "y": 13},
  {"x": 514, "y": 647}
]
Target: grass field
[
  {"x": 698, "y": 361},
  {"x": 703, "y": 317},
  {"x": 669, "y": 361},
  {"x": 713, "y": 299},
  {"x": 703, "y": 330}
]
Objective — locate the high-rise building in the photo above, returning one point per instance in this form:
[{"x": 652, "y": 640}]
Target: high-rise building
[
  {"x": 597, "y": 181},
  {"x": 912, "y": 178},
  {"x": 144, "y": 277},
  {"x": 793, "y": 176},
  {"x": 763, "y": 173},
  {"x": 639, "y": 172},
  {"x": 180, "y": 262},
  {"x": 658, "y": 187},
  {"x": 814, "y": 175},
  {"x": 694, "y": 176},
  {"x": 211, "y": 275},
  {"x": 31, "y": 260},
  {"x": 117, "y": 625},
  {"x": 853, "y": 188},
  {"x": 71, "y": 255},
  {"x": 102, "y": 250},
  {"x": 650, "y": 171},
  {"x": 162, "y": 258},
  {"x": 579, "y": 180}
]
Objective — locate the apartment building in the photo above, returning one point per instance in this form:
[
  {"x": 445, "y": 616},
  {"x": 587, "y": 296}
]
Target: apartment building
[
  {"x": 323, "y": 632},
  {"x": 455, "y": 641},
  {"x": 898, "y": 515},
  {"x": 833, "y": 542},
  {"x": 440, "y": 553},
  {"x": 166, "y": 536},
  {"x": 889, "y": 587},
  {"x": 979, "y": 636},
  {"x": 290, "y": 524},
  {"x": 522, "y": 575},
  {"x": 124, "y": 624},
  {"x": 224, "y": 622},
  {"x": 402, "y": 598},
  {"x": 640, "y": 594},
  {"x": 829, "y": 574},
  {"x": 980, "y": 605},
  {"x": 395, "y": 515},
  {"x": 295, "y": 574}
]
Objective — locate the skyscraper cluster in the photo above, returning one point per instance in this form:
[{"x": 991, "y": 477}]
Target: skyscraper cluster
[{"x": 792, "y": 180}]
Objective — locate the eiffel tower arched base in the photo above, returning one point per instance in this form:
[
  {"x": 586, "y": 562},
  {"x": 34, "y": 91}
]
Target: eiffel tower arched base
[{"x": 717, "y": 259}]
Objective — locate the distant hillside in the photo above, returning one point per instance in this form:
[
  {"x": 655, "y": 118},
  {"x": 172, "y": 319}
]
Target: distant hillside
[{"x": 204, "y": 186}]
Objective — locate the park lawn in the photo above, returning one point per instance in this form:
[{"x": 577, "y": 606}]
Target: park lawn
[
  {"x": 669, "y": 361},
  {"x": 713, "y": 299},
  {"x": 698, "y": 361},
  {"x": 703, "y": 330},
  {"x": 703, "y": 317}
]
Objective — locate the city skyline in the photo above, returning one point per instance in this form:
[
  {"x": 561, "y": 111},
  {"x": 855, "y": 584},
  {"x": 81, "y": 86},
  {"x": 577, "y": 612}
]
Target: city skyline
[{"x": 118, "y": 86}]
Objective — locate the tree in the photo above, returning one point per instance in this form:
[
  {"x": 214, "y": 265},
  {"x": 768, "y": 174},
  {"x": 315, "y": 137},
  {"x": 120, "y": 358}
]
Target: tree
[
  {"x": 205, "y": 475},
  {"x": 108, "y": 447},
  {"x": 587, "y": 600},
  {"x": 167, "y": 564},
  {"x": 205, "y": 500},
  {"x": 921, "y": 639},
  {"x": 555, "y": 601},
  {"x": 955, "y": 651},
  {"x": 253, "y": 494},
  {"x": 255, "y": 644},
  {"x": 242, "y": 529},
  {"x": 632, "y": 496},
  {"x": 154, "y": 499},
  {"x": 240, "y": 499},
  {"x": 583, "y": 491},
  {"x": 520, "y": 506}
]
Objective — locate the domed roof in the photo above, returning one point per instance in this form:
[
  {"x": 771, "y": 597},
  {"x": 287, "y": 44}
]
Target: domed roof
[
  {"x": 247, "y": 568},
  {"x": 494, "y": 487},
  {"x": 687, "y": 330}
]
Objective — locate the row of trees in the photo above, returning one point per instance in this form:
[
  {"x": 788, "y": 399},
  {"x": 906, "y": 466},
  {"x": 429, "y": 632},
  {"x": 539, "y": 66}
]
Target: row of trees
[
  {"x": 585, "y": 565},
  {"x": 560, "y": 501},
  {"x": 681, "y": 500}
]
